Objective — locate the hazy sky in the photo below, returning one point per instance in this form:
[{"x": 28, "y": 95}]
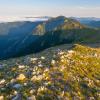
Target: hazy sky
[{"x": 83, "y": 8}]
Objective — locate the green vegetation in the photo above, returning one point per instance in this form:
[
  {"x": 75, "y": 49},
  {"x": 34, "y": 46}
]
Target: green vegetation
[{"x": 54, "y": 74}]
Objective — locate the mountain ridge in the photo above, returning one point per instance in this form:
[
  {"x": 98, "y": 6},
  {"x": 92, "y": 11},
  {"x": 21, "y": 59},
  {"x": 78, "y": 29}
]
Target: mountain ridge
[
  {"x": 67, "y": 71},
  {"x": 55, "y": 31}
]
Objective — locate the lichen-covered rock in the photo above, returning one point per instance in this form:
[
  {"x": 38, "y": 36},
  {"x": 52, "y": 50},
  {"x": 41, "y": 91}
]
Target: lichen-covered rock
[
  {"x": 1, "y": 97},
  {"x": 32, "y": 98},
  {"x": 21, "y": 77},
  {"x": 21, "y": 66},
  {"x": 2, "y": 81}
]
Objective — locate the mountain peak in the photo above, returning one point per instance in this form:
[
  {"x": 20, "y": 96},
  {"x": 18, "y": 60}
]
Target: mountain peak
[{"x": 61, "y": 17}]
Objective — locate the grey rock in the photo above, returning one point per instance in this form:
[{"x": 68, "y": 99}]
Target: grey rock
[
  {"x": 1, "y": 66},
  {"x": 17, "y": 97},
  {"x": 32, "y": 98},
  {"x": 17, "y": 86}
]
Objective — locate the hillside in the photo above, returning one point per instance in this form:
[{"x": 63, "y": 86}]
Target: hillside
[
  {"x": 61, "y": 22},
  {"x": 63, "y": 72},
  {"x": 90, "y": 22},
  {"x": 24, "y": 38},
  {"x": 93, "y": 24},
  {"x": 17, "y": 36},
  {"x": 53, "y": 38},
  {"x": 60, "y": 30}
]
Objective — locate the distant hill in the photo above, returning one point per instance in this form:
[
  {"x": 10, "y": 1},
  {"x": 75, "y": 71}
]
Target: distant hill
[
  {"x": 68, "y": 31},
  {"x": 14, "y": 35},
  {"x": 93, "y": 24},
  {"x": 90, "y": 21},
  {"x": 61, "y": 22},
  {"x": 62, "y": 37},
  {"x": 86, "y": 19}
]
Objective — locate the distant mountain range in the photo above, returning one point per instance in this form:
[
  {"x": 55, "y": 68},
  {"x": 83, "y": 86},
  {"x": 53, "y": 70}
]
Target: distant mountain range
[
  {"x": 21, "y": 38},
  {"x": 90, "y": 21},
  {"x": 93, "y": 24}
]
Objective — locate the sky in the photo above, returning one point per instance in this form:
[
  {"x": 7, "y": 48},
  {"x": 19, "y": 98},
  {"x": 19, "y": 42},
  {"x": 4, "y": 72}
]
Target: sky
[{"x": 75, "y": 8}]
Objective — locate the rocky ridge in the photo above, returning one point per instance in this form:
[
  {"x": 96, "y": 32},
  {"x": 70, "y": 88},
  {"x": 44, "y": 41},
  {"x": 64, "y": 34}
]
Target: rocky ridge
[{"x": 64, "y": 72}]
